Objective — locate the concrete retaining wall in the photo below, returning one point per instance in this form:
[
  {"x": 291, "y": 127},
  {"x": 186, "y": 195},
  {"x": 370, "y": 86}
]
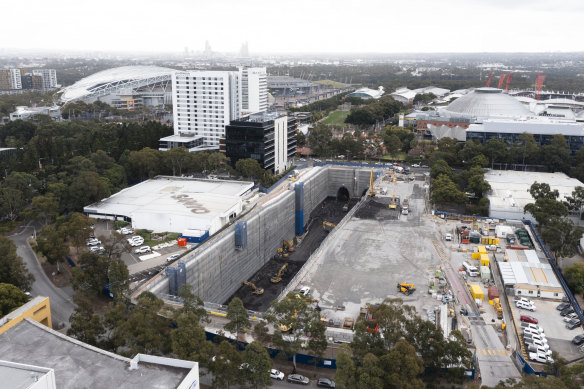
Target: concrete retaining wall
[{"x": 216, "y": 268}]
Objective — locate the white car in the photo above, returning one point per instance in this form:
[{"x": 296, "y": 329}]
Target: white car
[
  {"x": 415, "y": 165},
  {"x": 277, "y": 375},
  {"x": 448, "y": 237},
  {"x": 524, "y": 300},
  {"x": 136, "y": 241},
  {"x": 96, "y": 249},
  {"x": 143, "y": 249},
  {"x": 305, "y": 291},
  {"x": 522, "y": 305},
  {"x": 93, "y": 242},
  {"x": 541, "y": 358},
  {"x": 534, "y": 333},
  {"x": 571, "y": 316},
  {"x": 125, "y": 231},
  {"x": 172, "y": 257}
]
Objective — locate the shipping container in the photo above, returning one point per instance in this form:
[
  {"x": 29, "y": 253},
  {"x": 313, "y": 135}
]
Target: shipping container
[
  {"x": 485, "y": 273},
  {"x": 476, "y": 292},
  {"x": 493, "y": 292}
]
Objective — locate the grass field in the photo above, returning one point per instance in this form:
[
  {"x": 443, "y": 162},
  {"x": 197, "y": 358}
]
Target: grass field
[
  {"x": 336, "y": 118},
  {"x": 332, "y": 84},
  {"x": 397, "y": 157}
]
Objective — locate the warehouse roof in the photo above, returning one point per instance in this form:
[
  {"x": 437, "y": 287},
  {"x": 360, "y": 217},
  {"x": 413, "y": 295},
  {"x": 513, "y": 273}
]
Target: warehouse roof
[
  {"x": 79, "y": 365},
  {"x": 540, "y": 126}
]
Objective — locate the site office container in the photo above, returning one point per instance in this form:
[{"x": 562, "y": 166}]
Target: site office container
[{"x": 477, "y": 292}]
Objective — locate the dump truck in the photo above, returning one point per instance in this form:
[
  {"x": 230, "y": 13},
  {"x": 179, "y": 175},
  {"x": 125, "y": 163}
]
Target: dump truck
[{"x": 405, "y": 288}]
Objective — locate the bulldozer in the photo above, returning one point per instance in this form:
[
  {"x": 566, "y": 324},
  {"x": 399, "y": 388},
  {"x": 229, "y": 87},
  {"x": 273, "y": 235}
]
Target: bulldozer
[
  {"x": 255, "y": 290},
  {"x": 278, "y": 277},
  {"x": 406, "y": 288},
  {"x": 327, "y": 226}
]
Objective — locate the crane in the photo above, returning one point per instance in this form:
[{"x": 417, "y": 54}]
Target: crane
[
  {"x": 539, "y": 83},
  {"x": 255, "y": 290},
  {"x": 490, "y": 78},
  {"x": 371, "y": 190},
  {"x": 278, "y": 277},
  {"x": 501, "y": 80},
  {"x": 508, "y": 81}
]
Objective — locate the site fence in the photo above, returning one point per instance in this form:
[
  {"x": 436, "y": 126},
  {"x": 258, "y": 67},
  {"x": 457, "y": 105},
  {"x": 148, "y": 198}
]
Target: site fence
[
  {"x": 556, "y": 270},
  {"x": 314, "y": 257}
]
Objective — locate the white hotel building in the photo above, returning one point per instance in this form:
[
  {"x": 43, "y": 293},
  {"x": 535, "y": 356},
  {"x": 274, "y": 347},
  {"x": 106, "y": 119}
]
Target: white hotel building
[{"x": 204, "y": 102}]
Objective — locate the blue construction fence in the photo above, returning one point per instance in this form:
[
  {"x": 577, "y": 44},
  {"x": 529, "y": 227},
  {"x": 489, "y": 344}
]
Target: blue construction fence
[
  {"x": 526, "y": 367},
  {"x": 556, "y": 270},
  {"x": 304, "y": 359}
]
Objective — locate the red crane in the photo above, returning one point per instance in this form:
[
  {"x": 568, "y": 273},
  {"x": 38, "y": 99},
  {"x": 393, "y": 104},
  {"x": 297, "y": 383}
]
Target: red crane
[
  {"x": 501, "y": 80},
  {"x": 489, "y": 80},
  {"x": 539, "y": 83},
  {"x": 508, "y": 81}
]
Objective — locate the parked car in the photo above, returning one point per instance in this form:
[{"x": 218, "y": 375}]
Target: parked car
[
  {"x": 540, "y": 350},
  {"x": 578, "y": 339},
  {"x": 562, "y": 306},
  {"x": 298, "y": 379},
  {"x": 529, "y": 331},
  {"x": 96, "y": 249},
  {"x": 571, "y": 316},
  {"x": 416, "y": 165},
  {"x": 325, "y": 383},
  {"x": 125, "y": 231},
  {"x": 535, "y": 340},
  {"x": 143, "y": 249},
  {"x": 567, "y": 311},
  {"x": 541, "y": 358},
  {"x": 532, "y": 326},
  {"x": 305, "y": 290},
  {"x": 172, "y": 257},
  {"x": 136, "y": 241},
  {"x": 522, "y": 305},
  {"x": 448, "y": 237},
  {"x": 277, "y": 374},
  {"x": 573, "y": 324},
  {"x": 93, "y": 242},
  {"x": 524, "y": 300},
  {"x": 528, "y": 319}
]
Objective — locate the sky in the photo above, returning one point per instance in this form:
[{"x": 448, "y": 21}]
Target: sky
[{"x": 297, "y": 26}]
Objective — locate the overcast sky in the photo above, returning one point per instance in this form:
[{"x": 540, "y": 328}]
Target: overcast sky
[{"x": 297, "y": 26}]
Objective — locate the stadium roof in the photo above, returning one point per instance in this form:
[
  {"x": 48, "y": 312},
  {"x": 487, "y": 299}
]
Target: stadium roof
[
  {"x": 368, "y": 93},
  {"x": 485, "y": 103},
  {"x": 111, "y": 80}
]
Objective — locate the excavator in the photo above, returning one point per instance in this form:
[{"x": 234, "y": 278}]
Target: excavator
[
  {"x": 393, "y": 204},
  {"x": 327, "y": 226},
  {"x": 406, "y": 288},
  {"x": 498, "y": 308},
  {"x": 255, "y": 290},
  {"x": 371, "y": 190},
  {"x": 278, "y": 277},
  {"x": 286, "y": 328}
]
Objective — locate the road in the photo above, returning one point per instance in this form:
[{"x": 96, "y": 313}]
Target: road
[{"x": 61, "y": 302}]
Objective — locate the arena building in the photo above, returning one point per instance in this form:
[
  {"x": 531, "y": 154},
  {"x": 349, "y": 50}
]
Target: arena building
[
  {"x": 367, "y": 93},
  {"x": 124, "y": 87}
]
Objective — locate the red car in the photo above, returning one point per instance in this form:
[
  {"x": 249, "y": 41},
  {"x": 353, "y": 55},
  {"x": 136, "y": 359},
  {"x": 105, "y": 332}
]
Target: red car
[{"x": 528, "y": 319}]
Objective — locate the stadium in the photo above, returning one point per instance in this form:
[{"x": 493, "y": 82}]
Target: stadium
[{"x": 124, "y": 87}]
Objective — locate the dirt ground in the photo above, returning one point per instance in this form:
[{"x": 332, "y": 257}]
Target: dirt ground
[
  {"x": 61, "y": 279},
  {"x": 329, "y": 210}
]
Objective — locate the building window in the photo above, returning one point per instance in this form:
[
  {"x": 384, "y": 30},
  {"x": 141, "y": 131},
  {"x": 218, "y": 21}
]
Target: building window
[{"x": 530, "y": 292}]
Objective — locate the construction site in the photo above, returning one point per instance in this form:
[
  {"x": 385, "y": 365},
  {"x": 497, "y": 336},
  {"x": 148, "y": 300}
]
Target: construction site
[{"x": 273, "y": 277}]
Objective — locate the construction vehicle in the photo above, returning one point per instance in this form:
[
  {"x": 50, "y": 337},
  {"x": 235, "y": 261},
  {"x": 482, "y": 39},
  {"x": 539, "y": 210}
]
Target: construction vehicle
[
  {"x": 327, "y": 226},
  {"x": 406, "y": 288},
  {"x": 498, "y": 308},
  {"x": 393, "y": 204},
  {"x": 286, "y": 328},
  {"x": 371, "y": 190},
  {"x": 288, "y": 245},
  {"x": 278, "y": 277},
  {"x": 255, "y": 290}
]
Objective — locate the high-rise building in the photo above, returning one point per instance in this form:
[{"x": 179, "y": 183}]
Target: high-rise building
[
  {"x": 204, "y": 102},
  {"x": 254, "y": 90},
  {"x": 49, "y": 77},
  {"x": 269, "y": 138},
  {"x": 10, "y": 79}
]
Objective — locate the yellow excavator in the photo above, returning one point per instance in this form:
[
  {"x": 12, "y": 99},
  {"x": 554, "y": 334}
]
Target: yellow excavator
[
  {"x": 498, "y": 308},
  {"x": 393, "y": 204},
  {"x": 327, "y": 226},
  {"x": 286, "y": 328},
  {"x": 278, "y": 277},
  {"x": 406, "y": 288},
  {"x": 255, "y": 290},
  {"x": 371, "y": 190}
]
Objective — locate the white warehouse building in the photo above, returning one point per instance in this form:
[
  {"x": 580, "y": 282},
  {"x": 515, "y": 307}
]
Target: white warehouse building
[{"x": 173, "y": 204}]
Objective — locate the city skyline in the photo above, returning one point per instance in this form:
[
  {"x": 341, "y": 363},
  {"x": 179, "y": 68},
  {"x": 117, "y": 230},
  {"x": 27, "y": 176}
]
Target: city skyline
[{"x": 326, "y": 26}]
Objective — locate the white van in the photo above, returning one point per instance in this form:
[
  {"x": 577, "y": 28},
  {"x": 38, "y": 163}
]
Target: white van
[
  {"x": 472, "y": 271},
  {"x": 534, "y": 327}
]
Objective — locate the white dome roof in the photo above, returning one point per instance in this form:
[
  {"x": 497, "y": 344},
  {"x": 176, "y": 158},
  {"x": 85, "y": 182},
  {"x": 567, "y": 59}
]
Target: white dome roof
[{"x": 485, "y": 103}]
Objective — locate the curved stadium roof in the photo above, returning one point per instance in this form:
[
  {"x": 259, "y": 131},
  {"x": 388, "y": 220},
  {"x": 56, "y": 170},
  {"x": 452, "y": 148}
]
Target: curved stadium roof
[
  {"x": 487, "y": 102},
  {"x": 111, "y": 80}
]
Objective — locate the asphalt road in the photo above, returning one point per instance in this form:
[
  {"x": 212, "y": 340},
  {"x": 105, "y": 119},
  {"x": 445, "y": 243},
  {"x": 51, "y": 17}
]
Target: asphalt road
[{"x": 61, "y": 302}]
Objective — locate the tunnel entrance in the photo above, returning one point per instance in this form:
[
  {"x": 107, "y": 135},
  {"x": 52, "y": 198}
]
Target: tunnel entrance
[{"x": 343, "y": 194}]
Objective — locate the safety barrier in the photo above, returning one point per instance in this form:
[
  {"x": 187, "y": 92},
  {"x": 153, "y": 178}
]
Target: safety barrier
[{"x": 556, "y": 270}]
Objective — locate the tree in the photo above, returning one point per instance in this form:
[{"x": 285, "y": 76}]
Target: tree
[
  {"x": 544, "y": 210},
  {"x": 542, "y": 191},
  {"x": 76, "y": 228},
  {"x": 370, "y": 373},
  {"x": 189, "y": 340},
  {"x": 237, "y": 316},
  {"x": 92, "y": 275},
  {"x": 575, "y": 277},
  {"x": 556, "y": 154},
  {"x": 10, "y": 298},
  {"x": 293, "y": 313},
  {"x": 118, "y": 279},
  {"x": 44, "y": 208},
  {"x": 12, "y": 268},
  {"x": 562, "y": 237},
  {"x": 261, "y": 332},
  {"x": 402, "y": 367},
  {"x": 346, "y": 371},
  {"x": 51, "y": 243},
  {"x": 225, "y": 366},
  {"x": 300, "y": 139},
  {"x": 440, "y": 167},
  {"x": 575, "y": 203},
  {"x": 478, "y": 185},
  {"x": 496, "y": 149},
  {"x": 217, "y": 162},
  {"x": 178, "y": 159},
  {"x": 393, "y": 144},
  {"x": 86, "y": 188},
  {"x": 11, "y": 203},
  {"x": 525, "y": 150},
  {"x": 86, "y": 325},
  {"x": 249, "y": 167},
  {"x": 256, "y": 366},
  {"x": 446, "y": 191}
]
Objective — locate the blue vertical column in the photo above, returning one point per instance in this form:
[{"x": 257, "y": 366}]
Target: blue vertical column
[
  {"x": 172, "y": 281},
  {"x": 299, "y": 202}
]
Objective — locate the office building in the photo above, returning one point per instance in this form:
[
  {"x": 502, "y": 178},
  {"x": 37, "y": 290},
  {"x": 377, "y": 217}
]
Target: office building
[
  {"x": 254, "y": 90},
  {"x": 204, "y": 102},
  {"x": 269, "y": 138},
  {"x": 10, "y": 79},
  {"x": 24, "y": 113},
  {"x": 49, "y": 77}
]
